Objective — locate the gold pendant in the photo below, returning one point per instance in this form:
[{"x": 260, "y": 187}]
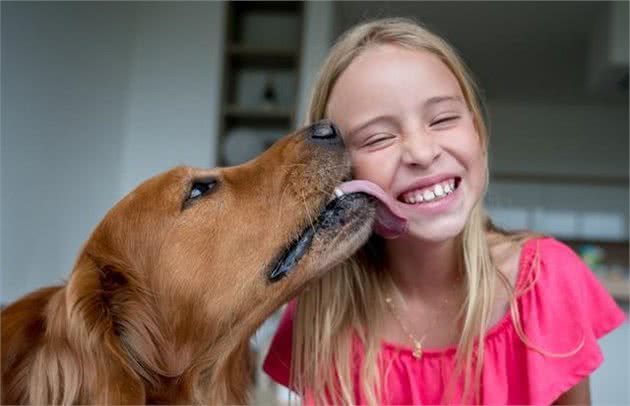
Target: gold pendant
[{"x": 417, "y": 351}]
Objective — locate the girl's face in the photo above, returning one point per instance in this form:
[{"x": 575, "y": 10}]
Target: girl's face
[{"x": 408, "y": 129}]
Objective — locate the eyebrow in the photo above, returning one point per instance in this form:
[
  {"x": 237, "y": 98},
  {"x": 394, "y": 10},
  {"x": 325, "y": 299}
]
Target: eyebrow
[{"x": 441, "y": 99}]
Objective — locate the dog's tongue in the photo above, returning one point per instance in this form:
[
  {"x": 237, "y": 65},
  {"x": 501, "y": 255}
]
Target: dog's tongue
[{"x": 390, "y": 223}]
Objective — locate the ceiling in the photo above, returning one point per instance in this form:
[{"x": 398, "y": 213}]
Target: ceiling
[{"x": 515, "y": 49}]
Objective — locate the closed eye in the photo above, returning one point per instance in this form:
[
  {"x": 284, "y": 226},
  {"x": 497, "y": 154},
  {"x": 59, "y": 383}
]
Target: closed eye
[
  {"x": 374, "y": 141},
  {"x": 444, "y": 120}
]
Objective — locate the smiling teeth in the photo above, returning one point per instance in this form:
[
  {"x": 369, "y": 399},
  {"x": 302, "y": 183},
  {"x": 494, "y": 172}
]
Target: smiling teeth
[
  {"x": 435, "y": 192},
  {"x": 438, "y": 190}
]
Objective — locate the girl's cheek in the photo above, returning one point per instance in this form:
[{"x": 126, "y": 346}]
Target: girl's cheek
[
  {"x": 362, "y": 166},
  {"x": 359, "y": 167},
  {"x": 375, "y": 171}
]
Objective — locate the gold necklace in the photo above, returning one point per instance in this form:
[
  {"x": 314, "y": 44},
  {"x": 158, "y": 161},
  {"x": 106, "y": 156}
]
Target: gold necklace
[{"x": 417, "y": 344}]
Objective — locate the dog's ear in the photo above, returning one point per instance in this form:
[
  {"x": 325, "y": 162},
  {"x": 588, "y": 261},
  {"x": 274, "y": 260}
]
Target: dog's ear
[
  {"x": 95, "y": 297},
  {"x": 85, "y": 360}
]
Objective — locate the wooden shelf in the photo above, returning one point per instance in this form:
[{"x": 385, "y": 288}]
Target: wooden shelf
[
  {"x": 263, "y": 57},
  {"x": 254, "y": 113},
  {"x": 263, "y": 39},
  {"x": 266, "y": 6},
  {"x": 246, "y": 50}
]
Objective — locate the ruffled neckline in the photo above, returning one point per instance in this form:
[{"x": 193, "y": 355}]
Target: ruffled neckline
[{"x": 493, "y": 332}]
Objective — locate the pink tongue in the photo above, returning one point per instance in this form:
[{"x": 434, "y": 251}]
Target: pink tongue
[{"x": 390, "y": 223}]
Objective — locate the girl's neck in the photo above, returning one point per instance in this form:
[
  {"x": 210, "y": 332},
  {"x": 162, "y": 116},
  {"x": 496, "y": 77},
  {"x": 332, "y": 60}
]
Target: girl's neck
[{"x": 423, "y": 269}]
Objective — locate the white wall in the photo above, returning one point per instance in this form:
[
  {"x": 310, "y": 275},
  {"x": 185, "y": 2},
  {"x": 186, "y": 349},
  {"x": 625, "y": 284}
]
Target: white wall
[
  {"x": 174, "y": 93},
  {"x": 95, "y": 97},
  {"x": 64, "y": 96},
  {"x": 609, "y": 383}
]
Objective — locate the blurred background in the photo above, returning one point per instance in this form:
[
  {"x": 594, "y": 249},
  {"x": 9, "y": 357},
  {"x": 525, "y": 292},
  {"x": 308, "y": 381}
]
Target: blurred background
[{"x": 97, "y": 96}]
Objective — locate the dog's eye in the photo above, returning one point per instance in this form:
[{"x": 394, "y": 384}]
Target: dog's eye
[{"x": 200, "y": 188}]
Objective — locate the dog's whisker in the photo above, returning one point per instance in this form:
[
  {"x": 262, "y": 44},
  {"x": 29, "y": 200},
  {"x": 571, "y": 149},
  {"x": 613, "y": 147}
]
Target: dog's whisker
[
  {"x": 281, "y": 205},
  {"x": 309, "y": 215}
]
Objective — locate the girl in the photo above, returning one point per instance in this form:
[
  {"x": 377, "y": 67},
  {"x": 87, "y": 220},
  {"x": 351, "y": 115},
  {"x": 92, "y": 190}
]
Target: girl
[{"x": 453, "y": 310}]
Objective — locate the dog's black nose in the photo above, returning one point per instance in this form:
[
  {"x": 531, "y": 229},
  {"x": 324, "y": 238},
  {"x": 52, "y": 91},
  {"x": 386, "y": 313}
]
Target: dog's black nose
[{"x": 325, "y": 133}]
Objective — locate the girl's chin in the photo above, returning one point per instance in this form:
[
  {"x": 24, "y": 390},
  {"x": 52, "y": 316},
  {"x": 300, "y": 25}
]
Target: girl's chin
[{"x": 436, "y": 231}]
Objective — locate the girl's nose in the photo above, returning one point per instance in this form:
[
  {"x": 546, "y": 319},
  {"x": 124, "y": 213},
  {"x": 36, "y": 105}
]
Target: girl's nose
[{"x": 420, "y": 149}]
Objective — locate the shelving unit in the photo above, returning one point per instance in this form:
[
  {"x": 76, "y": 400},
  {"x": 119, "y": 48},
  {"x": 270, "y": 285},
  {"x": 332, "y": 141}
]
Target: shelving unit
[
  {"x": 262, "y": 57},
  {"x": 580, "y": 210},
  {"x": 260, "y": 76},
  {"x": 616, "y": 253},
  {"x": 256, "y": 113}
]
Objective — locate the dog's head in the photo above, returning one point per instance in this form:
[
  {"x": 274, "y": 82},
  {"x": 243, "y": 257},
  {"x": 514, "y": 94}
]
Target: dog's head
[{"x": 209, "y": 254}]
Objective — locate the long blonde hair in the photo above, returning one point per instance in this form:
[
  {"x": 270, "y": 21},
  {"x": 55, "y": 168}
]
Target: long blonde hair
[{"x": 342, "y": 305}]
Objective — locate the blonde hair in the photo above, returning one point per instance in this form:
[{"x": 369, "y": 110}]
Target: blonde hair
[{"x": 347, "y": 300}]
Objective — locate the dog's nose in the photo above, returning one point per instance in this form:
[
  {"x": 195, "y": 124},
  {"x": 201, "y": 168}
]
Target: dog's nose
[{"x": 325, "y": 133}]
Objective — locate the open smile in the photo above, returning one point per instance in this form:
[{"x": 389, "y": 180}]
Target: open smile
[{"x": 431, "y": 193}]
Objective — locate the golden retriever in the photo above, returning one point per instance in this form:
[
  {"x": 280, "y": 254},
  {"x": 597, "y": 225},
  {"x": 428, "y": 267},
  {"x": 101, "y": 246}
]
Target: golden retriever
[{"x": 171, "y": 284}]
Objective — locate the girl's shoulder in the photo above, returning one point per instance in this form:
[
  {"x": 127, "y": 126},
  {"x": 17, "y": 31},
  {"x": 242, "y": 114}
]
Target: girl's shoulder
[
  {"x": 527, "y": 257},
  {"x": 554, "y": 264},
  {"x": 557, "y": 291}
]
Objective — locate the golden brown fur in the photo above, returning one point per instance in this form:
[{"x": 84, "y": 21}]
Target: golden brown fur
[{"x": 165, "y": 293}]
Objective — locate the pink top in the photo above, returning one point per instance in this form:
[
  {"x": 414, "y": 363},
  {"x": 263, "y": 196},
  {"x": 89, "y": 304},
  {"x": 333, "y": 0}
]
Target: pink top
[{"x": 566, "y": 306}]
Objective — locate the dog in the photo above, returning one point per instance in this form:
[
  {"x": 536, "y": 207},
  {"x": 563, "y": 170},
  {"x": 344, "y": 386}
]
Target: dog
[{"x": 166, "y": 292}]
